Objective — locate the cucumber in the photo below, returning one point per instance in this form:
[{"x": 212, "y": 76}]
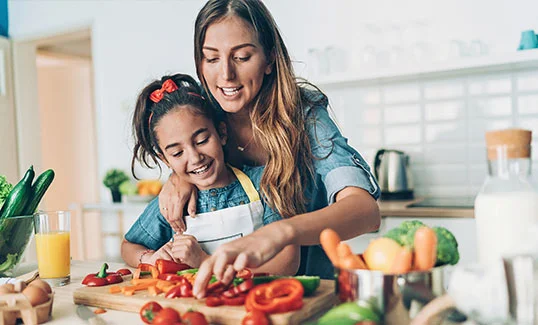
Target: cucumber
[
  {"x": 39, "y": 188},
  {"x": 19, "y": 196},
  {"x": 310, "y": 283}
]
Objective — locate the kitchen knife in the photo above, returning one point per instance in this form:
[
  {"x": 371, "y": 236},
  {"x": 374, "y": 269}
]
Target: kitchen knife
[{"x": 86, "y": 314}]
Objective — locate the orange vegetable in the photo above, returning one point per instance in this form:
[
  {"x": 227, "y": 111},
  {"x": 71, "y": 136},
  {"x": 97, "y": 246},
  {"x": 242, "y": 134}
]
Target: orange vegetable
[
  {"x": 149, "y": 281},
  {"x": 114, "y": 289},
  {"x": 425, "y": 248},
  {"x": 348, "y": 260},
  {"x": 99, "y": 311},
  {"x": 329, "y": 240},
  {"x": 153, "y": 290},
  {"x": 402, "y": 262}
]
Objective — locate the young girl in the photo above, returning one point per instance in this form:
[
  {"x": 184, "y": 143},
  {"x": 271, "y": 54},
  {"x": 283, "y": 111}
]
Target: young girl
[{"x": 174, "y": 123}]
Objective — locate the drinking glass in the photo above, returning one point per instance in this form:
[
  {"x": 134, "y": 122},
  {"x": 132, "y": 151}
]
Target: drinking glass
[{"x": 52, "y": 232}]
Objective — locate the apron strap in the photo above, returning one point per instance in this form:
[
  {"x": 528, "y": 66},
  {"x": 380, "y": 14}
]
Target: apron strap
[{"x": 247, "y": 185}]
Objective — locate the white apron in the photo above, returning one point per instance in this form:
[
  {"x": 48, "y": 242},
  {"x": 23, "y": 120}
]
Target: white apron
[{"x": 213, "y": 229}]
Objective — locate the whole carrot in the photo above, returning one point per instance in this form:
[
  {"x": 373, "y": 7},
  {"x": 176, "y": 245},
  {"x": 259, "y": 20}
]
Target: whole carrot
[
  {"x": 402, "y": 262},
  {"x": 425, "y": 248},
  {"x": 329, "y": 240},
  {"x": 347, "y": 259}
]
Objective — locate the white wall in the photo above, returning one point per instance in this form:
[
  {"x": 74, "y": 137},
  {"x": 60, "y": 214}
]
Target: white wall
[{"x": 135, "y": 41}]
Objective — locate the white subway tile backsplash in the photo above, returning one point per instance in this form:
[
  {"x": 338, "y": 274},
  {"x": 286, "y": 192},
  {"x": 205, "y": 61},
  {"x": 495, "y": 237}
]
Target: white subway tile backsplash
[
  {"x": 446, "y": 132},
  {"x": 445, "y": 154},
  {"x": 478, "y": 173},
  {"x": 444, "y": 174},
  {"x": 527, "y": 80},
  {"x": 398, "y": 135},
  {"x": 476, "y": 152},
  {"x": 494, "y": 107},
  {"x": 366, "y": 116},
  {"x": 490, "y": 85},
  {"x": 367, "y": 136},
  {"x": 529, "y": 123},
  {"x": 527, "y": 104},
  {"x": 401, "y": 93},
  {"x": 442, "y": 111},
  {"x": 478, "y": 128},
  {"x": 444, "y": 89},
  {"x": 402, "y": 114}
]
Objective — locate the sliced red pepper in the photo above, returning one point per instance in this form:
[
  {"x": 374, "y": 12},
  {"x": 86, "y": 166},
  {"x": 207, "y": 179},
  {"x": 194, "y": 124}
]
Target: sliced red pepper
[
  {"x": 234, "y": 301},
  {"x": 144, "y": 267},
  {"x": 124, "y": 271},
  {"x": 244, "y": 274},
  {"x": 180, "y": 290},
  {"x": 213, "y": 301},
  {"x": 244, "y": 287},
  {"x": 166, "y": 266},
  {"x": 278, "y": 296},
  {"x": 102, "y": 278},
  {"x": 215, "y": 287}
]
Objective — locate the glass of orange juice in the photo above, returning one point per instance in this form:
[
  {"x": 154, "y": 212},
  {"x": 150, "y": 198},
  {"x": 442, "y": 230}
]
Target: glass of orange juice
[{"x": 52, "y": 229}]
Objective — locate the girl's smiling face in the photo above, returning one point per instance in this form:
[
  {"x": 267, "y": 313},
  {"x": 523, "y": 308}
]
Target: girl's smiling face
[
  {"x": 192, "y": 147},
  {"x": 234, "y": 63}
]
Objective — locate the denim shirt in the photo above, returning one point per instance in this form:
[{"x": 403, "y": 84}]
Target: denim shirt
[
  {"x": 336, "y": 165},
  {"x": 153, "y": 231}
]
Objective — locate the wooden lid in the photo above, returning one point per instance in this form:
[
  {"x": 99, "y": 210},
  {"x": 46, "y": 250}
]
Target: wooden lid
[{"x": 510, "y": 143}]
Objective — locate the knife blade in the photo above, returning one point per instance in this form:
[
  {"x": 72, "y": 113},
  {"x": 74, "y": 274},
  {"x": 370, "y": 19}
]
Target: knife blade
[{"x": 86, "y": 314}]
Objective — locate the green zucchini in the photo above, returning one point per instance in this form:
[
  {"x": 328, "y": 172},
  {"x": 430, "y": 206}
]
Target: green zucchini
[
  {"x": 19, "y": 195},
  {"x": 39, "y": 188}
]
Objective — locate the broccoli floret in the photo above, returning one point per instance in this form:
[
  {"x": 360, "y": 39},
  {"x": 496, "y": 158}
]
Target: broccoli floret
[
  {"x": 404, "y": 234},
  {"x": 447, "y": 247},
  {"x": 5, "y": 189}
]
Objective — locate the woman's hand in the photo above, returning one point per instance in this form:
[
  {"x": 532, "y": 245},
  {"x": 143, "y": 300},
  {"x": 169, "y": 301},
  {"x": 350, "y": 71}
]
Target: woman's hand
[
  {"x": 172, "y": 200},
  {"x": 250, "y": 251},
  {"x": 187, "y": 250}
]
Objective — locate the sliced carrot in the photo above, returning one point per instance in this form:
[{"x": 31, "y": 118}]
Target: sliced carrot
[
  {"x": 348, "y": 260},
  {"x": 164, "y": 285},
  {"x": 114, "y": 289},
  {"x": 136, "y": 287},
  {"x": 99, "y": 311},
  {"x": 402, "y": 262},
  {"x": 153, "y": 290},
  {"x": 128, "y": 292},
  {"x": 329, "y": 240},
  {"x": 425, "y": 248},
  {"x": 149, "y": 281}
]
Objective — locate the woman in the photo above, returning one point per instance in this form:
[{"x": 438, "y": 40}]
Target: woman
[{"x": 313, "y": 178}]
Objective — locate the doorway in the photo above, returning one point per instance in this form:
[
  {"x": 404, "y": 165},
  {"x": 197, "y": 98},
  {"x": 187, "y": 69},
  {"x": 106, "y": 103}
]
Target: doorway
[{"x": 56, "y": 120}]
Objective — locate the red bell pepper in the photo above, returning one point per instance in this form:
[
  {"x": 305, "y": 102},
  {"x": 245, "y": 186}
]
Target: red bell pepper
[
  {"x": 102, "y": 278},
  {"x": 183, "y": 289},
  {"x": 170, "y": 277},
  {"x": 166, "y": 266},
  {"x": 278, "y": 296}
]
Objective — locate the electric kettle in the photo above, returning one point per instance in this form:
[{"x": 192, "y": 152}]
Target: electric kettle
[{"x": 393, "y": 173}]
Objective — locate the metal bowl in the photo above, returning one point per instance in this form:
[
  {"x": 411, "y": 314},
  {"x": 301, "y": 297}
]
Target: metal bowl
[{"x": 397, "y": 297}]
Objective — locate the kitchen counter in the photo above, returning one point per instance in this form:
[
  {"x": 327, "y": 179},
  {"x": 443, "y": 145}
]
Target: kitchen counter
[{"x": 401, "y": 208}]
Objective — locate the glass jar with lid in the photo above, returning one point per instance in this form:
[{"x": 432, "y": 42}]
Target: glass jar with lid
[{"x": 507, "y": 205}]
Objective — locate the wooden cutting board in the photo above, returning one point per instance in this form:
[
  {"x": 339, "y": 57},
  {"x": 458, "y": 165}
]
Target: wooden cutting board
[{"x": 323, "y": 299}]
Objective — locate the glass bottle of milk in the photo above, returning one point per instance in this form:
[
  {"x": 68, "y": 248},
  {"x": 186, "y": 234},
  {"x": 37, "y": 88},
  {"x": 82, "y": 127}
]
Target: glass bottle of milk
[{"x": 507, "y": 205}]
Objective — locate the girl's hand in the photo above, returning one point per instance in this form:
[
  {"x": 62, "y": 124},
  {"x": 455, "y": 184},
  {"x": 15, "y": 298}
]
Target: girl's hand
[
  {"x": 186, "y": 249},
  {"x": 165, "y": 253},
  {"x": 172, "y": 200}
]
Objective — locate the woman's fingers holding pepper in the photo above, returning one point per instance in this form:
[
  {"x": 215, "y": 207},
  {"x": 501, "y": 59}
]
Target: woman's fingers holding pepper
[{"x": 202, "y": 277}]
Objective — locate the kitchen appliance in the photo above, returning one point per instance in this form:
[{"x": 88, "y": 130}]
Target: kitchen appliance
[{"x": 393, "y": 173}]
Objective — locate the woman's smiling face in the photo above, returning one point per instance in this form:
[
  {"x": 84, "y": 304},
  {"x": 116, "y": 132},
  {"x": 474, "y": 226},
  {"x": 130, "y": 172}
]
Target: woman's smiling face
[
  {"x": 192, "y": 147},
  {"x": 234, "y": 63}
]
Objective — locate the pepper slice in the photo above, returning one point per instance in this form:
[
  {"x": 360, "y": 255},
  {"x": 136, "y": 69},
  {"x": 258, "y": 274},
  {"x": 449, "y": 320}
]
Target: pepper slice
[
  {"x": 166, "y": 266},
  {"x": 102, "y": 278},
  {"x": 144, "y": 267},
  {"x": 279, "y": 296}
]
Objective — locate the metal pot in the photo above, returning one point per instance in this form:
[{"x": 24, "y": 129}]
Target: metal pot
[{"x": 397, "y": 297}]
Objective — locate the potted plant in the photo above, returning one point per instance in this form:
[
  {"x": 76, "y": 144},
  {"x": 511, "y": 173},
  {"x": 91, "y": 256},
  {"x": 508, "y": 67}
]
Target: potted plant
[{"x": 113, "y": 179}]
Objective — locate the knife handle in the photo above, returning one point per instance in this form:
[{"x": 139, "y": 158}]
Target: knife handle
[{"x": 96, "y": 321}]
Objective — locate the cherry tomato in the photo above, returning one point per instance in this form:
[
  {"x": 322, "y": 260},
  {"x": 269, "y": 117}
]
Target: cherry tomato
[
  {"x": 167, "y": 316},
  {"x": 255, "y": 317},
  {"x": 194, "y": 318},
  {"x": 149, "y": 311}
]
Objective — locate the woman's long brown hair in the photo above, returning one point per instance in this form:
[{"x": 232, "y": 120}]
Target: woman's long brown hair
[{"x": 278, "y": 118}]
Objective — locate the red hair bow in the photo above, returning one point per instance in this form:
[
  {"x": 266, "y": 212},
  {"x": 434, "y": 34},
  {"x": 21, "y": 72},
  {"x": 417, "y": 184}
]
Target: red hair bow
[{"x": 168, "y": 86}]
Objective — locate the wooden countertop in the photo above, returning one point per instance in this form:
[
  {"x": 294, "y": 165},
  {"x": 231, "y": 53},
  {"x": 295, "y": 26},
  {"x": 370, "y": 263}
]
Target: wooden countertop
[{"x": 399, "y": 208}]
